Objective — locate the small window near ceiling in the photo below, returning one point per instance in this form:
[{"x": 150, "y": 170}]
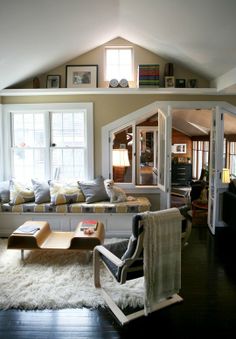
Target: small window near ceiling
[{"x": 118, "y": 63}]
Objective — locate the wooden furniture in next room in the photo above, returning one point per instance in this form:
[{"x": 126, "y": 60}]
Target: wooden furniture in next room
[{"x": 199, "y": 212}]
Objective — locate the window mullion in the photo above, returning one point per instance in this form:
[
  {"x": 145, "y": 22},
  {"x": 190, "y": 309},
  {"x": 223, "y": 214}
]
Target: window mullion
[{"x": 47, "y": 124}]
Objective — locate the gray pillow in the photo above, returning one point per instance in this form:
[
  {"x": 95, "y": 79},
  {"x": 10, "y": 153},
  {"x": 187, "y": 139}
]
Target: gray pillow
[
  {"x": 41, "y": 191},
  {"x": 5, "y": 191},
  {"x": 94, "y": 190}
]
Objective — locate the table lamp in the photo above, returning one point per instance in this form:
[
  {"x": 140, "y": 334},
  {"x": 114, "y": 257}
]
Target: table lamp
[{"x": 120, "y": 160}]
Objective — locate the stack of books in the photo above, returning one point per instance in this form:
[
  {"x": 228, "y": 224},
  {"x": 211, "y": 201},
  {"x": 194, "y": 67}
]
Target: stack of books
[
  {"x": 148, "y": 75},
  {"x": 85, "y": 224}
]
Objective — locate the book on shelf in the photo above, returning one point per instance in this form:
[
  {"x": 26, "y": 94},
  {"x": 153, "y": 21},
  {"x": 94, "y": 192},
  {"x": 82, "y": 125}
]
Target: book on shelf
[
  {"x": 27, "y": 229},
  {"x": 88, "y": 224}
]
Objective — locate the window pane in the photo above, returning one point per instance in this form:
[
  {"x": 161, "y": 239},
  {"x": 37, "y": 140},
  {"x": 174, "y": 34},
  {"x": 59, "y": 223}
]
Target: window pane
[
  {"x": 28, "y": 130},
  {"x": 119, "y": 63},
  {"x": 68, "y": 129},
  {"x": 123, "y": 139},
  {"x": 29, "y": 163},
  {"x": 70, "y": 162}
]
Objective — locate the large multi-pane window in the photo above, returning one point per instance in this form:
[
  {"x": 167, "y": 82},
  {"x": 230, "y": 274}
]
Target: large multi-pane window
[
  {"x": 119, "y": 63},
  {"x": 51, "y": 144}
]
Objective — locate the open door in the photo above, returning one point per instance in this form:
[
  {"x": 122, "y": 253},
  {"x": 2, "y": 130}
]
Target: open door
[
  {"x": 215, "y": 168},
  {"x": 164, "y": 156}
]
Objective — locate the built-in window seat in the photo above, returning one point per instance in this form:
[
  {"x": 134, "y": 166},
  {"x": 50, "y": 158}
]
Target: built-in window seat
[{"x": 116, "y": 217}]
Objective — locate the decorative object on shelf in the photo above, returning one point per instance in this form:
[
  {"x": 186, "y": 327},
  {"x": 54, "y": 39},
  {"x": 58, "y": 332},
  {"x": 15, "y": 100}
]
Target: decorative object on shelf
[
  {"x": 36, "y": 82},
  {"x": 53, "y": 81},
  {"x": 113, "y": 83},
  {"x": 179, "y": 148},
  {"x": 180, "y": 83},
  {"x": 123, "y": 83},
  {"x": 192, "y": 83},
  {"x": 169, "y": 70},
  {"x": 148, "y": 75},
  {"x": 169, "y": 82},
  {"x": 82, "y": 76}
]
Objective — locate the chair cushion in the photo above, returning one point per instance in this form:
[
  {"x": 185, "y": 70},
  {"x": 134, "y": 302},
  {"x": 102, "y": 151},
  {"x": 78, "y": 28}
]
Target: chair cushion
[{"x": 118, "y": 248}]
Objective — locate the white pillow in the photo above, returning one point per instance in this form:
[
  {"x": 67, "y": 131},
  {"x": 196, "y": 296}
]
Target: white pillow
[{"x": 20, "y": 193}]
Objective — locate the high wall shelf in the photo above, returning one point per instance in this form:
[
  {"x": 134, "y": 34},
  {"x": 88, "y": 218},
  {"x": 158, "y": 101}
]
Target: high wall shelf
[{"x": 106, "y": 91}]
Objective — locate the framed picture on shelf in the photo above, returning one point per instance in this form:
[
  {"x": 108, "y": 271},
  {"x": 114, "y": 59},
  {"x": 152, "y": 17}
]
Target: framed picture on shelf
[
  {"x": 82, "y": 76},
  {"x": 180, "y": 83},
  {"x": 179, "y": 148},
  {"x": 53, "y": 81},
  {"x": 169, "y": 82}
]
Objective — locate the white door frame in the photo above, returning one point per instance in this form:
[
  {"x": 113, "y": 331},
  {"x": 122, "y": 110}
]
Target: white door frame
[{"x": 134, "y": 117}]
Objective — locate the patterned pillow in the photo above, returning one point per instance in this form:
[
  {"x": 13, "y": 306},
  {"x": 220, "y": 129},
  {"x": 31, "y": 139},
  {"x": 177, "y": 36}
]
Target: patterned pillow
[
  {"x": 65, "y": 193},
  {"x": 20, "y": 193}
]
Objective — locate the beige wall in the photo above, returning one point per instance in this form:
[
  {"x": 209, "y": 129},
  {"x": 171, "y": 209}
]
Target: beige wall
[
  {"x": 96, "y": 56},
  {"x": 108, "y": 108}
]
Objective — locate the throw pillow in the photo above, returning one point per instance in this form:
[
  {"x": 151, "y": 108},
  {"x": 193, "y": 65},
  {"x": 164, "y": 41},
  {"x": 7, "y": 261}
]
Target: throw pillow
[
  {"x": 5, "y": 191},
  {"x": 65, "y": 193},
  {"x": 41, "y": 191},
  {"x": 94, "y": 190},
  {"x": 20, "y": 193}
]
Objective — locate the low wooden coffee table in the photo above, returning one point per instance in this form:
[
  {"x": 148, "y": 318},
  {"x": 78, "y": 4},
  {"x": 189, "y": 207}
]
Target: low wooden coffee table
[{"x": 46, "y": 239}]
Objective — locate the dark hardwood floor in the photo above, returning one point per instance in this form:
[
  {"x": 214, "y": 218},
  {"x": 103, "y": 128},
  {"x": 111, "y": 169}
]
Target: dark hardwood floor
[{"x": 208, "y": 309}]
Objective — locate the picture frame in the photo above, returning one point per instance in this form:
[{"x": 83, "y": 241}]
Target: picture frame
[
  {"x": 169, "y": 82},
  {"x": 180, "y": 83},
  {"x": 179, "y": 148},
  {"x": 53, "y": 81},
  {"x": 81, "y": 76}
]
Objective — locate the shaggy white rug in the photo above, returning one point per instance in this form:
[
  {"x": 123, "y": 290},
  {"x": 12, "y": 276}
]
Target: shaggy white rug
[{"x": 56, "y": 280}]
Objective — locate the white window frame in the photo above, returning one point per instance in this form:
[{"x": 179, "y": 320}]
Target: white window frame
[
  {"x": 119, "y": 48},
  {"x": 1, "y": 144},
  {"x": 47, "y": 108}
]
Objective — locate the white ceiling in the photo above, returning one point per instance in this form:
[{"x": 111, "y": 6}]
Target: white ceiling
[{"x": 37, "y": 35}]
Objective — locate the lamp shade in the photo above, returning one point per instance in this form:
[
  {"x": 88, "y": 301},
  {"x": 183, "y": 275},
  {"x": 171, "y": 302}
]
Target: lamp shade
[
  {"x": 120, "y": 157},
  {"x": 225, "y": 176}
]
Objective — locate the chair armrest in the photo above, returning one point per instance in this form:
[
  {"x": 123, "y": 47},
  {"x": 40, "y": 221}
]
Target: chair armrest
[{"x": 113, "y": 258}]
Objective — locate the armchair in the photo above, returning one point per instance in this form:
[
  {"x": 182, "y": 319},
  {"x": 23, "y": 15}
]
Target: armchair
[{"x": 152, "y": 233}]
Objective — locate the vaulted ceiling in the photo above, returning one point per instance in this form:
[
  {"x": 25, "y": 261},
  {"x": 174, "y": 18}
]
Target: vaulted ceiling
[{"x": 36, "y": 36}]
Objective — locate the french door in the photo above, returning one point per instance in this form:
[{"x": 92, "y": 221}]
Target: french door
[{"x": 164, "y": 156}]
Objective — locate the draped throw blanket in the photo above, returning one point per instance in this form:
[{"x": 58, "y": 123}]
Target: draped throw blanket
[{"x": 162, "y": 256}]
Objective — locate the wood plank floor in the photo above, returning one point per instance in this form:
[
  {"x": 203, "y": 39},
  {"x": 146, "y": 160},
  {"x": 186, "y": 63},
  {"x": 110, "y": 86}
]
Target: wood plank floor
[{"x": 208, "y": 309}]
